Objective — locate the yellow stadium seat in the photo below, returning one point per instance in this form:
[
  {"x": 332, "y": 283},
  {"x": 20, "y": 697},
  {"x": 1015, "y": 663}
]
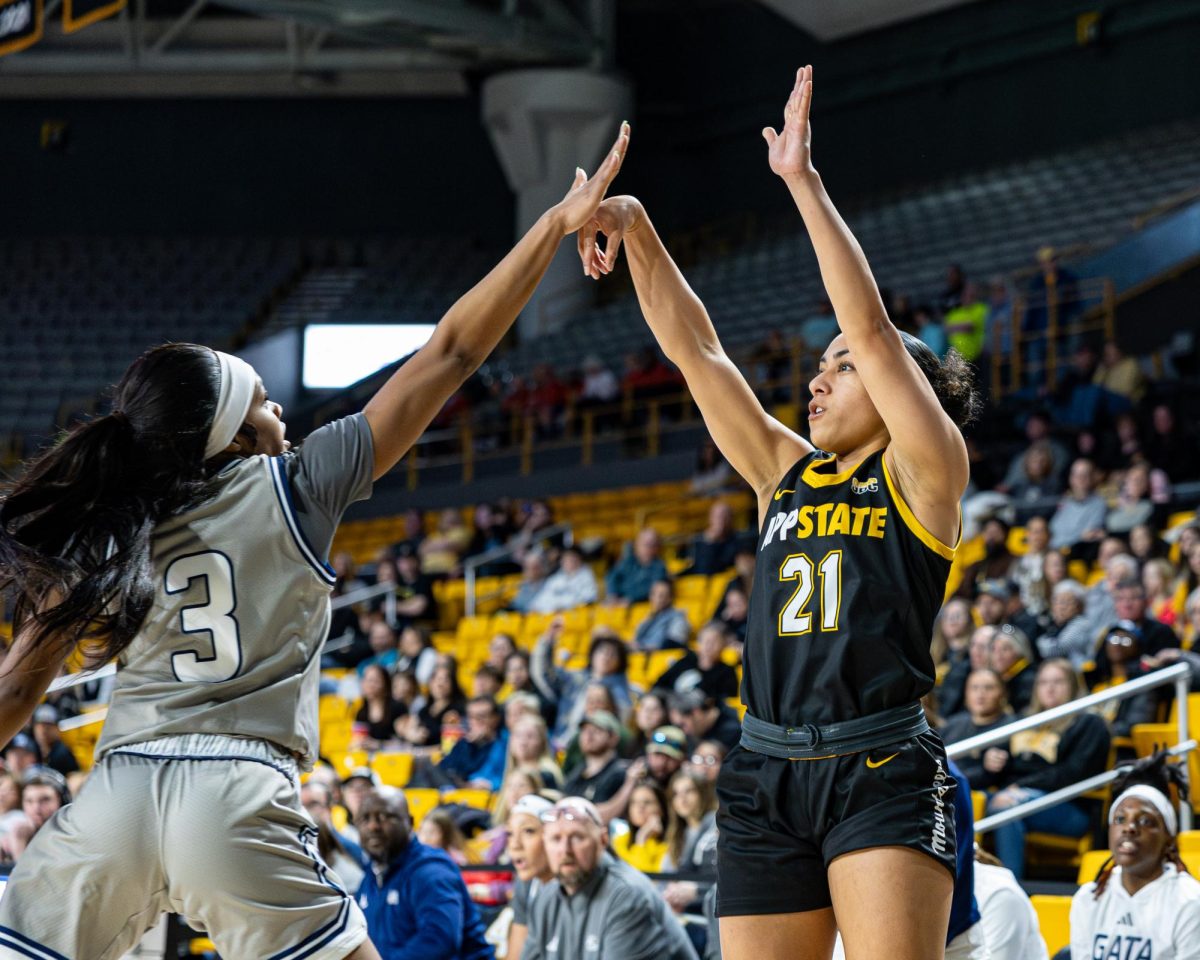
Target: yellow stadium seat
[
  {"x": 697, "y": 613},
  {"x": 1189, "y": 841},
  {"x": 420, "y": 801},
  {"x": 577, "y": 618},
  {"x": 1052, "y": 849},
  {"x": 717, "y": 585},
  {"x": 637, "y": 613},
  {"x": 340, "y": 817},
  {"x": 1149, "y": 737},
  {"x": 344, "y": 763},
  {"x": 694, "y": 586},
  {"x": 1090, "y": 865},
  {"x": 199, "y": 946},
  {"x": 471, "y": 629},
  {"x": 1054, "y": 916},
  {"x": 335, "y": 737},
  {"x": 394, "y": 769},
  {"x": 469, "y": 797},
  {"x": 978, "y": 804},
  {"x": 660, "y": 661},
  {"x": 507, "y": 622},
  {"x": 615, "y": 618}
]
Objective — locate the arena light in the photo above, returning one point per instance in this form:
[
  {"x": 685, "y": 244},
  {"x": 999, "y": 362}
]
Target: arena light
[{"x": 339, "y": 354}]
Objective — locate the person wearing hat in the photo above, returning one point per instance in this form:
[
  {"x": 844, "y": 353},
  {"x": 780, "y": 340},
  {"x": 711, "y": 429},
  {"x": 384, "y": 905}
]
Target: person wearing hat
[
  {"x": 602, "y": 774},
  {"x": 22, "y": 754},
  {"x": 1143, "y": 903},
  {"x": 597, "y": 907},
  {"x": 666, "y": 751},
  {"x": 704, "y": 717},
  {"x": 1012, "y": 658},
  {"x": 1118, "y": 660},
  {"x": 56, "y": 754},
  {"x": 527, "y": 853}
]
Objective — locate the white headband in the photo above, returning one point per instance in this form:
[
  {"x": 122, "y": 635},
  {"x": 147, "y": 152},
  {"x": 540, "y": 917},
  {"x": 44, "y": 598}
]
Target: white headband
[
  {"x": 532, "y": 804},
  {"x": 238, "y": 381},
  {"x": 1156, "y": 798}
]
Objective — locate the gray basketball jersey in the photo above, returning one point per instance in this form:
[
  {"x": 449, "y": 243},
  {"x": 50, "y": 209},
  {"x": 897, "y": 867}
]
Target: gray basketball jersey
[{"x": 232, "y": 643}]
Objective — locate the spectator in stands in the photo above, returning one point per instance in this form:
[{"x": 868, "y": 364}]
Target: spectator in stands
[
  {"x": 1009, "y": 920},
  {"x": 1043, "y": 760},
  {"x": 1120, "y": 659},
  {"x": 772, "y": 367},
  {"x": 703, "y": 670},
  {"x": 518, "y": 681},
  {"x": 536, "y": 519},
  {"x": 950, "y": 651},
  {"x": 702, "y": 717},
  {"x": 1144, "y": 899},
  {"x": 646, "y": 375},
  {"x": 596, "y": 899},
  {"x": 602, "y": 773},
  {"x": 384, "y": 653},
  {"x": 951, "y": 697},
  {"x": 1117, "y": 566},
  {"x": 1054, "y": 286},
  {"x": 1028, "y": 570},
  {"x": 930, "y": 330},
  {"x": 651, "y": 713},
  {"x": 608, "y": 661},
  {"x": 707, "y": 758},
  {"x": 693, "y": 846},
  {"x": 952, "y": 294},
  {"x": 630, "y": 579},
  {"x": 43, "y": 793},
  {"x": 491, "y": 532},
  {"x": 1119, "y": 374},
  {"x": 1078, "y": 524},
  {"x": 651, "y": 821},
  {"x": 478, "y": 759},
  {"x": 966, "y": 323},
  {"x": 1036, "y": 481},
  {"x": 10, "y": 803},
  {"x": 1013, "y": 659},
  {"x": 1129, "y": 603},
  {"x": 1070, "y": 635},
  {"x": 414, "y": 533},
  {"x": 991, "y": 601},
  {"x": 529, "y": 749},
  {"x": 487, "y": 682},
  {"x": 414, "y": 592},
  {"x": 572, "y": 585},
  {"x": 500, "y": 647},
  {"x": 1037, "y": 431},
  {"x": 666, "y": 626},
  {"x": 1158, "y": 582},
  {"x": 375, "y": 722},
  {"x": 340, "y": 853},
  {"x": 414, "y": 898},
  {"x": 416, "y": 653},
  {"x": 819, "y": 327},
  {"x": 406, "y": 691},
  {"x": 533, "y": 579},
  {"x": 665, "y": 754},
  {"x": 1173, "y": 446},
  {"x": 1189, "y": 634},
  {"x": 997, "y": 559},
  {"x": 547, "y": 401},
  {"x": 998, "y": 337},
  {"x": 55, "y": 754},
  {"x": 714, "y": 550},
  {"x": 600, "y": 385},
  {"x": 22, "y": 754},
  {"x": 987, "y": 708},
  {"x": 712, "y": 473},
  {"x": 438, "y": 831},
  {"x": 1145, "y": 543},
  {"x": 735, "y": 614},
  {"x": 442, "y": 551},
  {"x": 444, "y": 705},
  {"x": 527, "y": 853},
  {"x": 1135, "y": 503}
]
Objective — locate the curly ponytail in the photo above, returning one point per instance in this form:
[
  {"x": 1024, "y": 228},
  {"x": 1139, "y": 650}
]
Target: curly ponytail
[
  {"x": 75, "y": 530},
  {"x": 951, "y": 377}
]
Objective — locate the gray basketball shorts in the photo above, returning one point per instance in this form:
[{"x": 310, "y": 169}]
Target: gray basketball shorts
[{"x": 205, "y": 826}]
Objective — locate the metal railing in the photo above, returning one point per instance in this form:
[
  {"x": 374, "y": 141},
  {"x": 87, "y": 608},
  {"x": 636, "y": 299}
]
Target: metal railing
[
  {"x": 472, "y": 564},
  {"x": 1180, "y": 675}
]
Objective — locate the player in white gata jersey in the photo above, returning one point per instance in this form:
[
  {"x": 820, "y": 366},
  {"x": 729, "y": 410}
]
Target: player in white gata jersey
[
  {"x": 182, "y": 536},
  {"x": 1144, "y": 905}
]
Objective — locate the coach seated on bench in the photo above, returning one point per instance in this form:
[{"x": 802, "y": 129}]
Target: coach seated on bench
[
  {"x": 597, "y": 907},
  {"x": 413, "y": 896}
]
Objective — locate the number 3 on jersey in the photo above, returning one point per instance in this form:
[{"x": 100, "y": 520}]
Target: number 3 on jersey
[
  {"x": 219, "y": 655},
  {"x": 793, "y": 619}
]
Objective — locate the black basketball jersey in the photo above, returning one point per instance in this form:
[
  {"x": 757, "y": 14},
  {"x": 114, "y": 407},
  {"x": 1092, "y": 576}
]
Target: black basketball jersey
[{"x": 846, "y": 588}]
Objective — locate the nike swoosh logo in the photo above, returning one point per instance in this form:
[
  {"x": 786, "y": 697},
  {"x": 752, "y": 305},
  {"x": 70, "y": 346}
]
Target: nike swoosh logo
[
  {"x": 879, "y": 763},
  {"x": 780, "y": 493}
]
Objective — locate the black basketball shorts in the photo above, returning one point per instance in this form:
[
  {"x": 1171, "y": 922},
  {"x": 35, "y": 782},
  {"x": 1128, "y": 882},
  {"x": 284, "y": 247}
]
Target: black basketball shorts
[{"x": 782, "y": 822}]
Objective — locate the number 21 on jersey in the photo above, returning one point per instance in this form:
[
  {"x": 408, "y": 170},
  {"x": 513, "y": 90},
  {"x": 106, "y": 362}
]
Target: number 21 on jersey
[
  {"x": 794, "y": 618},
  {"x": 217, "y": 653}
]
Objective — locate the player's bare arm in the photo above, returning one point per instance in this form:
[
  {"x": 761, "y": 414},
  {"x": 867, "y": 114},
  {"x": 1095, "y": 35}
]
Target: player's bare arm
[
  {"x": 926, "y": 451},
  {"x": 758, "y": 446},
  {"x": 26, "y": 672},
  {"x": 471, "y": 329}
]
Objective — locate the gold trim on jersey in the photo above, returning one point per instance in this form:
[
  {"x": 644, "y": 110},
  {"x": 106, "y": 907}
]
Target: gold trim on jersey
[
  {"x": 814, "y": 479},
  {"x": 915, "y": 525}
]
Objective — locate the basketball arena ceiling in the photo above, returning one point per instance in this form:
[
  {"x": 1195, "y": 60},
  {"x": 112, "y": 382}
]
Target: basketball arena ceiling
[{"x": 347, "y": 47}]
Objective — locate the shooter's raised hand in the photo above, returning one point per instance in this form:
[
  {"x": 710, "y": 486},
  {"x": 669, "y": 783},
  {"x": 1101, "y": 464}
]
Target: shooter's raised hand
[{"x": 790, "y": 150}]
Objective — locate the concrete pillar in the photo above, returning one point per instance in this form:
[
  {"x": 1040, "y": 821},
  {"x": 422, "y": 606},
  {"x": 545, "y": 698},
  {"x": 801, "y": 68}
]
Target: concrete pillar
[{"x": 543, "y": 124}]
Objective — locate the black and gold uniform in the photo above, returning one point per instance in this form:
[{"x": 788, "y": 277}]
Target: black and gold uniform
[{"x": 835, "y": 753}]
